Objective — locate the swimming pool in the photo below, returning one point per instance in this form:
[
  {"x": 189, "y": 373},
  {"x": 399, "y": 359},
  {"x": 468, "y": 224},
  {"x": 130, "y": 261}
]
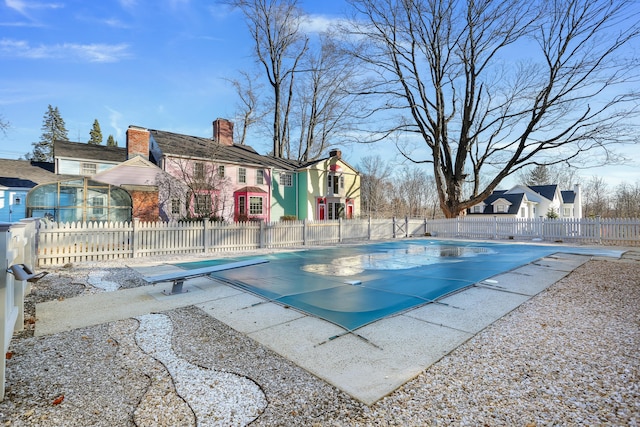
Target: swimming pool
[{"x": 352, "y": 286}]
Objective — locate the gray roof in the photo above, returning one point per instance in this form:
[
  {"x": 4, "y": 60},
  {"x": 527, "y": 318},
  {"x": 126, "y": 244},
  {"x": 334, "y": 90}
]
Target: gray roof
[
  {"x": 205, "y": 148},
  {"x": 25, "y": 173},
  {"x": 79, "y": 150}
]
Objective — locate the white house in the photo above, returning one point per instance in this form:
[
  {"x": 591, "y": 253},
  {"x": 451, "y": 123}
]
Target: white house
[{"x": 533, "y": 201}]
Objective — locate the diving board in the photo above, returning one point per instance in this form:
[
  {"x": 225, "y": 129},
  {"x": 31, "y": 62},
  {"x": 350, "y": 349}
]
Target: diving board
[{"x": 178, "y": 277}]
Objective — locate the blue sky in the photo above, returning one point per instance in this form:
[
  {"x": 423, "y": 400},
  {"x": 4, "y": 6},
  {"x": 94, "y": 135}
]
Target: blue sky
[{"x": 159, "y": 64}]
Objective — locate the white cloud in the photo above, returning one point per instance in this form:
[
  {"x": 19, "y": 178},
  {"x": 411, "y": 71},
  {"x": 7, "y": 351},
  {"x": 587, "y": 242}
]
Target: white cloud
[
  {"x": 115, "y": 117},
  {"x": 23, "y": 7},
  {"x": 128, "y": 4},
  {"x": 319, "y": 23},
  {"x": 95, "y": 52}
]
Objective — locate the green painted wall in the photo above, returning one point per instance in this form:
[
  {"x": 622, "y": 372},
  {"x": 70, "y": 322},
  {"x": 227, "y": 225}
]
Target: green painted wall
[{"x": 283, "y": 198}]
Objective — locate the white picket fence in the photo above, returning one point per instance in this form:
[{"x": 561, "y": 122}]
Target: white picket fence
[
  {"x": 93, "y": 241},
  {"x": 17, "y": 246}
]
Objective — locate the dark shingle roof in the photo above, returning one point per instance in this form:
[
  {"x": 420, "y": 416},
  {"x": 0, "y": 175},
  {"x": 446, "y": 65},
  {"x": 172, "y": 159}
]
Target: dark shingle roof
[
  {"x": 24, "y": 173},
  {"x": 568, "y": 196},
  {"x": 79, "y": 150},
  {"x": 205, "y": 148},
  {"x": 546, "y": 191},
  {"x": 514, "y": 199}
]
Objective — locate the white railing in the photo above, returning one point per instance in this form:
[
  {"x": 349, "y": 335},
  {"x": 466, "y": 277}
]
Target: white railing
[
  {"x": 17, "y": 247},
  {"x": 77, "y": 242}
]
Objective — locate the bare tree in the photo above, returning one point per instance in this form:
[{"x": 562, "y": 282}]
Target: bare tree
[
  {"x": 375, "y": 186},
  {"x": 456, "y": 74},
  {"x": 4, "y": 124},
  {"x": 596, "y": 198},
  {"x": 279, "y": 48},
  {"x": 249, "y": 112},
  {"x": 626, "y": 203},
  {"x": 325, "y": 99}
]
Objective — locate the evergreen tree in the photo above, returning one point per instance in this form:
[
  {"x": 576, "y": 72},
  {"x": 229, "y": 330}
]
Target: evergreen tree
[
  {"x": 53, "y": 128},
  {"x": 538, "y": 176},
  {"x": 111, "y": 142},
  {"x": 95, "y": 133}
]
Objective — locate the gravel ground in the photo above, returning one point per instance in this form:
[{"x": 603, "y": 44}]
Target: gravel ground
[{"x": 568, "y": 356}]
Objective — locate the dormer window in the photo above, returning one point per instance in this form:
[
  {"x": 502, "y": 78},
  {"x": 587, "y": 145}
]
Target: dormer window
[
  {"x": 500, "y": 208},
  {"x": 477, "y": 209}
]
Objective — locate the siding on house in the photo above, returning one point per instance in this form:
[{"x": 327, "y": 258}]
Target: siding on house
[
  {"x": 76, "y": 158},
  {"x": 531, "y": 202}
]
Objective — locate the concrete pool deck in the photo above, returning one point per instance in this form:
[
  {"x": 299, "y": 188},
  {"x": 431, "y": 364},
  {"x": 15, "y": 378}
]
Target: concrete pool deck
[{"x": 367, "y": 364}]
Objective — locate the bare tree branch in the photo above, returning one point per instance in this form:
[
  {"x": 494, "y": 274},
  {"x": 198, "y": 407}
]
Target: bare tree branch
[{"x": 497, "y": 86}]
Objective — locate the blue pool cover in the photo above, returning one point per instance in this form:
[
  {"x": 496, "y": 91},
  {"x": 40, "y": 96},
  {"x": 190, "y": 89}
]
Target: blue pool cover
[{"x": 352, "y": 286}]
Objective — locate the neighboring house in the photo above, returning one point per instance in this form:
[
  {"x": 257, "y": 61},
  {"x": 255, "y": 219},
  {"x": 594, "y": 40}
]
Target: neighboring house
[
  {"x": 77, "y": 158},
  {"x": 225, "y": 181},
  {"x": 531, "y": 202},
  {"x": 18, "y": 178},
  {"x": 329, "y": 188}
]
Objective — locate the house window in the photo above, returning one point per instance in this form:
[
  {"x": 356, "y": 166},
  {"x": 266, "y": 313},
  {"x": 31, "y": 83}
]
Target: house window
[
  {"x": 501, "y": 208},
  {"x": 198, "y": 171},
  {"x": 329, "y": 182},
  {"x": 88, "y": 168},
  {"x": 341, "y": 182},
  {"x": 203, "y": 204},
  {"x": 175, "y": 206},
  {"x": 336, "y": 210},
  {"x": 523, "y": 212},
  {"x": 242, "y": 175},
  {"x": 336, "y": 181},
  {"x": 221, "y": 171},
  {"x": 477, "y": 209},
  {"x": 567, "y": 212},
  {"x": 255, "y": 205},
  {"x": 97, "y": 205},
  {"x": 260, "y": 176},
  {"x": 286, "y": 179},
  {"x": 242, "y": 208}
]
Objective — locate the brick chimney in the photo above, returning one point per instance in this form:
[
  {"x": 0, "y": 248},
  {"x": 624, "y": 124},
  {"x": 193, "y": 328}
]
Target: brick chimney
[
  {"x": 335, "y": 153},
  {"x": 223, "y": 131},
  {"x": 137, "y": 142}
]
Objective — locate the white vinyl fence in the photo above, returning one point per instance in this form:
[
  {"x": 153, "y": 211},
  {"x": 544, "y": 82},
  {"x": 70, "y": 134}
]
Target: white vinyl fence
[
  {"x": 76, "y": 242},
  {"x": 17, "y": 247}
]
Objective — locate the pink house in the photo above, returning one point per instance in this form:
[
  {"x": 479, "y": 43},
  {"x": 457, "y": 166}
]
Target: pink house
[{"x": 219, "y": 179}]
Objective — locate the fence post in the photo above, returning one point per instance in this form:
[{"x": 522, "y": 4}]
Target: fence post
[
  {"x": 339, "y": 230},
  {"x": 134, "y": 237},
  {"x": 304, "y": 232},
  {"x": 495, "y": 227},
  {"x": 599, "y": 224},
  {"x": 369, "y": 228},
  {"x": 394, "y": 227},
  {"x": 206, "y": 242},
  {"x": 261, "y": 237},
  {"x": 406, "y": 226}
]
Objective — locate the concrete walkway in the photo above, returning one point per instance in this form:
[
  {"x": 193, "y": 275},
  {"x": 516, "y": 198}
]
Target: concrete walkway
[{"x": 367, "y": 364}]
